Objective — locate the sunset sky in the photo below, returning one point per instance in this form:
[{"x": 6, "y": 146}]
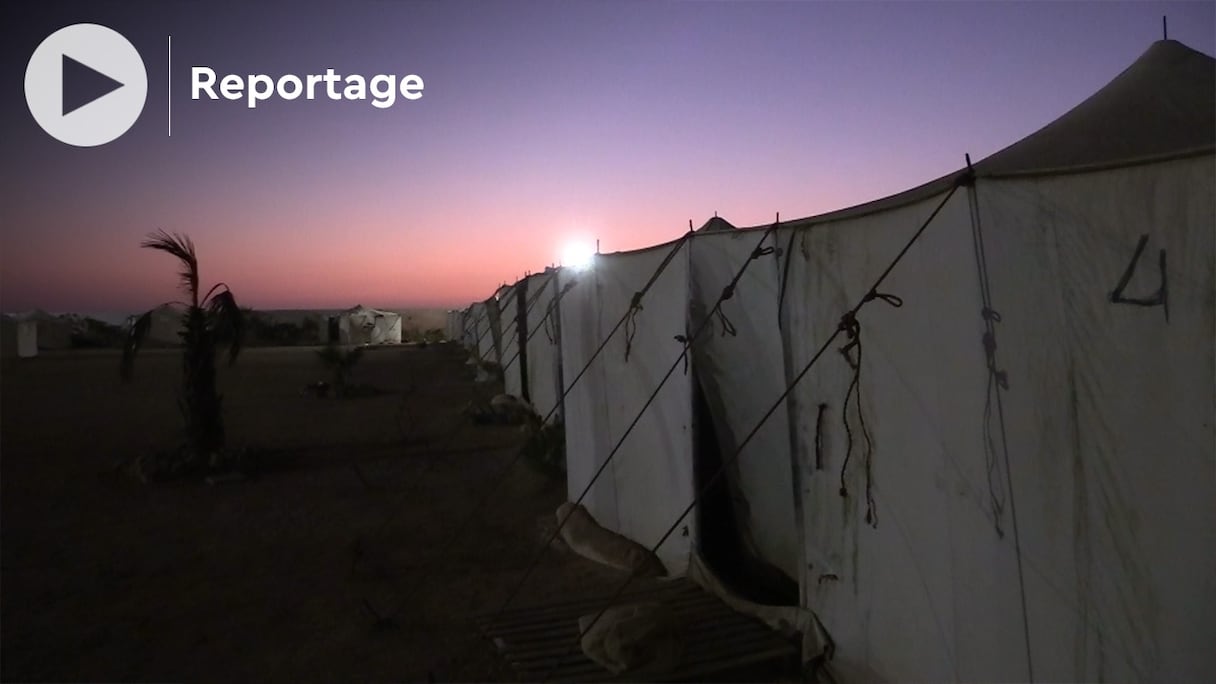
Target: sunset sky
[{"x": 540, "y": 123}]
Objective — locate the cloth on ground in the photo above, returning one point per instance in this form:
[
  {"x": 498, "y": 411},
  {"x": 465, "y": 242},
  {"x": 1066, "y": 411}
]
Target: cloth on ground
[
  {"x": 585, "y": 536},
  {"x": 631, "y": 636}
]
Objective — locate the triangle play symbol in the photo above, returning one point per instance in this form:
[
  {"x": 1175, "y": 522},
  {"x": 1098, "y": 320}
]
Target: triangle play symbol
[{"x": 83, "y": 84}]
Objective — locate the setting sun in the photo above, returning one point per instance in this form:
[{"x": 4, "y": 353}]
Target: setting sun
[{"x": 577, "y": 254}]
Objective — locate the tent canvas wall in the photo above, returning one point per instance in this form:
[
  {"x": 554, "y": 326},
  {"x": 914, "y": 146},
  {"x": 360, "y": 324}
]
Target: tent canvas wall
[
  {"x": 737, "y": 361},
  {"x": 649, "y": 481},
  {"x": 477, "y": 329},
  {"x": 502, "y": 323},
  {"x": 487, "y": 335},
  {"x": 544, "y": 341},
  {"x": 509, "y": 357},
  {"x": 905, "y": 557}
]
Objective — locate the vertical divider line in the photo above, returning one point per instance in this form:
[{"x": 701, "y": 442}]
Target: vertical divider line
[{"x": 169, "y": 94}]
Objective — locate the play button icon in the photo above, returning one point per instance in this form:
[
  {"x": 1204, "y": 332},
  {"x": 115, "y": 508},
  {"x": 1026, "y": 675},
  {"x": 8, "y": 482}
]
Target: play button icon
[
  {"x": 82, "y": 85},
  {"x": 85, "y": 85}
]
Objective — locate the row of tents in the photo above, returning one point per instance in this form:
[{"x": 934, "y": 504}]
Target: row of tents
[
  {"x": 23, "y": 335},
  {"x": 971, "y": 422}
]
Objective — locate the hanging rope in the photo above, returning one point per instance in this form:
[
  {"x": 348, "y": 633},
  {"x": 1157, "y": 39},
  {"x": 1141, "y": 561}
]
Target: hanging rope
[
  {"x": 635, "y": 304},
  {"x": 550, "y": 330},
  {"x": 725, "y": 324},
  {"x": 998, "y": 381},
  {"x": 729, "y": 462},
  {"x": 549, "y": 322},
  {"x": 727, "y": 327},
  {"x": 631, "y": 322},
  {"x": 851, "y": 327}
]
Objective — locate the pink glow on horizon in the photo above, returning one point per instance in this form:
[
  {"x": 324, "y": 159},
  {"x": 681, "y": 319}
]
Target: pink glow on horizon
[{"x": 620, "y": 123}]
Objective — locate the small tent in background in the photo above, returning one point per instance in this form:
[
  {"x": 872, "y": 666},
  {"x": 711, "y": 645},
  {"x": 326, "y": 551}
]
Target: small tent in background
[
  {"x": 716, "y": 224},
  {"x": 18, "y": 338},
  {"x": 451, "y": 328},
  {"x": 167, "y": 325},
  {"x": 361, "y": 325}
]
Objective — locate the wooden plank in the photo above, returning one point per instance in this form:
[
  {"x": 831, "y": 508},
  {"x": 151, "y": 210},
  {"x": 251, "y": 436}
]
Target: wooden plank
[
  {"x": 542, "y": 642},
  {"x": 702, "y": 626},
  {"x": 668, "y": 588},
  {"x": 695, "y": 647},
  {"x": 682, "y": 604}
]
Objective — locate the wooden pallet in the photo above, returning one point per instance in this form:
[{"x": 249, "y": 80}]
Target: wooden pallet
[{"x": 541, "y": 643}]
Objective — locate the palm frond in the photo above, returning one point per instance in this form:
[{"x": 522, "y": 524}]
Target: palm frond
[
  {"x": 182, "y": 247},
  {"x": 135, "y": 339},
  {"x": 228, "y": 320}
]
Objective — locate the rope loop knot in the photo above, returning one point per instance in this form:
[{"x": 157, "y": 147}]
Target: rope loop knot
[
  {"x": 636, "y": 302},
  {"x": 761, "y": 251},
  {"x": 631, "y": 323}
]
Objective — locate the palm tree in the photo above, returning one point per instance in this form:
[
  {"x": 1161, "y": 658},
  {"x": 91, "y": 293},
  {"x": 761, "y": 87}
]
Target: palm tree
[{"x": 209, "y": 322}]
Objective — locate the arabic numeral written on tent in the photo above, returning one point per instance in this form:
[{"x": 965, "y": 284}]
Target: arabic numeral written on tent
[{"x": 1158, "y": 298}]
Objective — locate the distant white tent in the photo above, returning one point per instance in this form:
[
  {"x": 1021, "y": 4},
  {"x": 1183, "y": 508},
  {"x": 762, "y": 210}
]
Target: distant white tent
[
  {"x": 167, "y": 325},
  {"x": 18, "y": 338},
  {"x": 995, "y": 461},
  {"x": 452, "y": 327},
  {"x": 362, "y": 325}
]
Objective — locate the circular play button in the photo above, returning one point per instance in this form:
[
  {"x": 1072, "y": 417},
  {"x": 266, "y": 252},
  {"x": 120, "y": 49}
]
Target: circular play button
[{"x": 85, "y": 85}]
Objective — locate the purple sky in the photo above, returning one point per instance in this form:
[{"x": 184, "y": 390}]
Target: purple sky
[{"x": 540, "y": 122}]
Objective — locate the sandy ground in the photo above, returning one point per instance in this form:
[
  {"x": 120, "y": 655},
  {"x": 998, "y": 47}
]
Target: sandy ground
[{"x": 105, "y": 578}]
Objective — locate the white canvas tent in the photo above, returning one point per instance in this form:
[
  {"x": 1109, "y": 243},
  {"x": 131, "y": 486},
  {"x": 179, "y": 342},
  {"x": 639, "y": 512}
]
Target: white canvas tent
[
  {"x": 1106, "y": 420},
  {"x": 1010, "y": 476},
  {"x": 361, "y": 325}
]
